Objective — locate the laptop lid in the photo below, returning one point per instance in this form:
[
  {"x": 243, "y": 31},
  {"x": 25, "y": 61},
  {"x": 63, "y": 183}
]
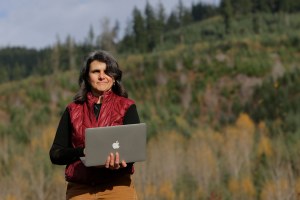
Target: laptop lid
[{"x": 128, "y": 140}]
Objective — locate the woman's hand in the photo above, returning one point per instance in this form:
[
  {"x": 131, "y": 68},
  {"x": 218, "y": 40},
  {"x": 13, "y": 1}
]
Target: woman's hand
[{"x": 113, "y": 162}]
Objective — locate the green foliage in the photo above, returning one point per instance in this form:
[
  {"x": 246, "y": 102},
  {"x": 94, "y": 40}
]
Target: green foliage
[
  {"x": 17, "y": 127},
  {"x": 39, "y": 94},
  {"x": 278, "y": 100},
  {"x": 41, "y": 116},
  {"x": 252, "y": 63},
  {"x": 186, "y": 186}
]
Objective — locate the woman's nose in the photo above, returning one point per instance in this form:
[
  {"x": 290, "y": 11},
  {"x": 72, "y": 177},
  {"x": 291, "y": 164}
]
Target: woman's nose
[{"x": 101, "y": 75}]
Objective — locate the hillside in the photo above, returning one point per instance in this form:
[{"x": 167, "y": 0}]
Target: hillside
[{"x": 226, "y": 111}]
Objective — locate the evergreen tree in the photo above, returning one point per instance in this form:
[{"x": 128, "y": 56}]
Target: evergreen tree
[
  {"x": 55, "y": 55},
  {"x": 139, "y": 30},
  {"x": 284, "y": 8},
  {"x": 241, "y": 7},
  {"x": 116, "y": 29},
  {"x": 226, "y": 11},
  {"x": 161, "y": 21},
  {"x": 4, "y": 75},
  {"x": 262, "y": 5},
  {"x": 256, "y": 7},
  {"x": 70, "y": 43},
  {"x": 127, "y": 43},
  {"x": 151, "y": 27},
  {"x": 272, "y": 6},
  {"x": 201, "y": 11},
  {"x": 172, "y": 21},
  {"x": 90, "y": 40},
  {"x": 180, "y": 12},
  {"x": 183, "y": 14}
]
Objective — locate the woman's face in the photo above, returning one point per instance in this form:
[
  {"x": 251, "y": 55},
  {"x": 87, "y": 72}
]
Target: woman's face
[{"x": 99, "y": 81}]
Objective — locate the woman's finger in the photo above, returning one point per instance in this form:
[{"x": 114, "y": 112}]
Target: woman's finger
[
  {"x": 112, "y": 160},
  {"x": 107, "y": 162},
  {"x": 117, "y": 161},
  {"x": 124, "y": 164}
]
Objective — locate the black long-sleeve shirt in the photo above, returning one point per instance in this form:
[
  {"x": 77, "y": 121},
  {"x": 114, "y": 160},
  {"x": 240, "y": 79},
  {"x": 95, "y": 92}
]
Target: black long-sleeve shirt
[{"x": 62, "y": 152}]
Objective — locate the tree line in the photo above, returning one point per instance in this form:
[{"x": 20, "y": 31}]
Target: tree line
[
  {"x": 230, "y": 9},
  {"x": 144, "y": 33}
]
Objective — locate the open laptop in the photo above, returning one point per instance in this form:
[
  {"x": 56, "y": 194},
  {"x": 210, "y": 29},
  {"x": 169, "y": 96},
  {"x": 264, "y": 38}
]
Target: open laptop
[{"x": 128, "y": 140}]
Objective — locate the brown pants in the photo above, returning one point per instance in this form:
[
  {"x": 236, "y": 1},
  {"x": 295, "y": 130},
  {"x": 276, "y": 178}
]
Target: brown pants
[{"x": 123, "y": 189}]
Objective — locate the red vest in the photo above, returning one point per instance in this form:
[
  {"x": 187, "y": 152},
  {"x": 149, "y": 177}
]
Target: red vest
[{"x": 82, "y": 116}]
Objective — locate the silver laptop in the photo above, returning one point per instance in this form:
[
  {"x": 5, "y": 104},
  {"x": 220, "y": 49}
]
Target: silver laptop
[{"x": 128, "y": 140}]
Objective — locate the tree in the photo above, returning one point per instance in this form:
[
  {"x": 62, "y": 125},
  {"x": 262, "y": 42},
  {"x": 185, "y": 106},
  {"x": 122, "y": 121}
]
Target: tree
[
  {"x": 127, "y": 43},
  {"x": 91, "y": 37},
  {"x": 262, "y": 5},
  {"x": 70, "y": 44},
  {"x": 161, "y": 21},
  {"x": 203, "y": 11},
  {"x": 172, "y": 22},
  {"x": 139, "y": 31},
  {"x": 256, "y": 6},
  {"x": 241, "y": 7},
  {"x": 106, "y": 39},
  {"x": 226, "y": 11},
  {"x": 151, "y": 27},
  {"x": 183, "y": 14},
  {"x": 4, "y": 75},
  {"x": 55, "y": 55}
]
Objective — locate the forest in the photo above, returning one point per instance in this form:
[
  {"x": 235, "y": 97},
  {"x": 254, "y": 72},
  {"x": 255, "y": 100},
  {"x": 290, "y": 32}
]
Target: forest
[{"x": 217, "y": 85}]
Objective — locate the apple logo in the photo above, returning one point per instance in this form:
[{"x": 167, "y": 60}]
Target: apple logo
[{"x": 116, "y": 145}]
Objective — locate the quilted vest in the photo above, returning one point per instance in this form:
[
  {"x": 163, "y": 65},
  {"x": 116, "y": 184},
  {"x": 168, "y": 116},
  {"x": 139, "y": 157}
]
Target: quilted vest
[{"x": 82, "y": 116}]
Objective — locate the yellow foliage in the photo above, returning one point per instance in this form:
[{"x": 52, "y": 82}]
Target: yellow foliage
[
  {"x": 297, "y": 186},
  {"x": 217, "y": 138},
  {"x": 44, "y": 140},
  {"x": 244, "y": 122},
  {"x": 181, "y": 122},
  {"x": 10, "y": 197},
  {"x": 262, "y": 127},
  {"x": 58, "y": 178},
  {"x": 151, "y": 190},
  {"x": 166, "y": 191},
  {"x": 200, "y": 193},
  {"x": 133, "y": 60},
  {"x": 175, "y": 51},
  {"x": 238, "y": 146},
  {"x": 242, "y": 189},
  {"x": 202, "y": 163},
  {"x": 248, "y": 187},
  {"x": 234, "y": 186},
  {"x": 199, "y": 46},
  {"x": 276, "y": 84},
  {"x": 264, "y": 146},
  {"x": 277, "y": 189}
]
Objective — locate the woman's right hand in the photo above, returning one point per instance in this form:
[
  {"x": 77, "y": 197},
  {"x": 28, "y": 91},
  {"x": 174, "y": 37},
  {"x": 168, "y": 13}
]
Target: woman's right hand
[{"x": 113, "y": 161}]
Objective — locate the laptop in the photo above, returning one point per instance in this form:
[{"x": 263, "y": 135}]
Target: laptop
[{"x": 128, "y": 140}]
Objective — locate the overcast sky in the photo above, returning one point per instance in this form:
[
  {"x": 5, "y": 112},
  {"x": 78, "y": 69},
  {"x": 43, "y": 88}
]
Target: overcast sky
[{"x": 38, "y": 23}]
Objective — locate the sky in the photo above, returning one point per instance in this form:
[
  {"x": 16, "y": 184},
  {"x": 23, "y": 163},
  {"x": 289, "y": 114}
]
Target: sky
[{"x": 39, "y": 23}]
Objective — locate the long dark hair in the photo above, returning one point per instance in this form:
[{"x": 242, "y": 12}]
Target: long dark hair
[{"x": 112, "y": 70}]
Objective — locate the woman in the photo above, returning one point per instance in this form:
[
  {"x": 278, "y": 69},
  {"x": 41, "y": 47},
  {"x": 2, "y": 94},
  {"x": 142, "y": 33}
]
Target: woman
[{"x": 100, "y": 101}]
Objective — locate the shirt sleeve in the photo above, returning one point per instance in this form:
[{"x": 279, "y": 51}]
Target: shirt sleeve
[
  {"x": 62, "y": 152},
  {"x": 131, "y": 116}
]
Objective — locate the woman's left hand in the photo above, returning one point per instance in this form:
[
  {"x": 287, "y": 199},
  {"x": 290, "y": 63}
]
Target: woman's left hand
[{"x": 113, "y": 161}]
